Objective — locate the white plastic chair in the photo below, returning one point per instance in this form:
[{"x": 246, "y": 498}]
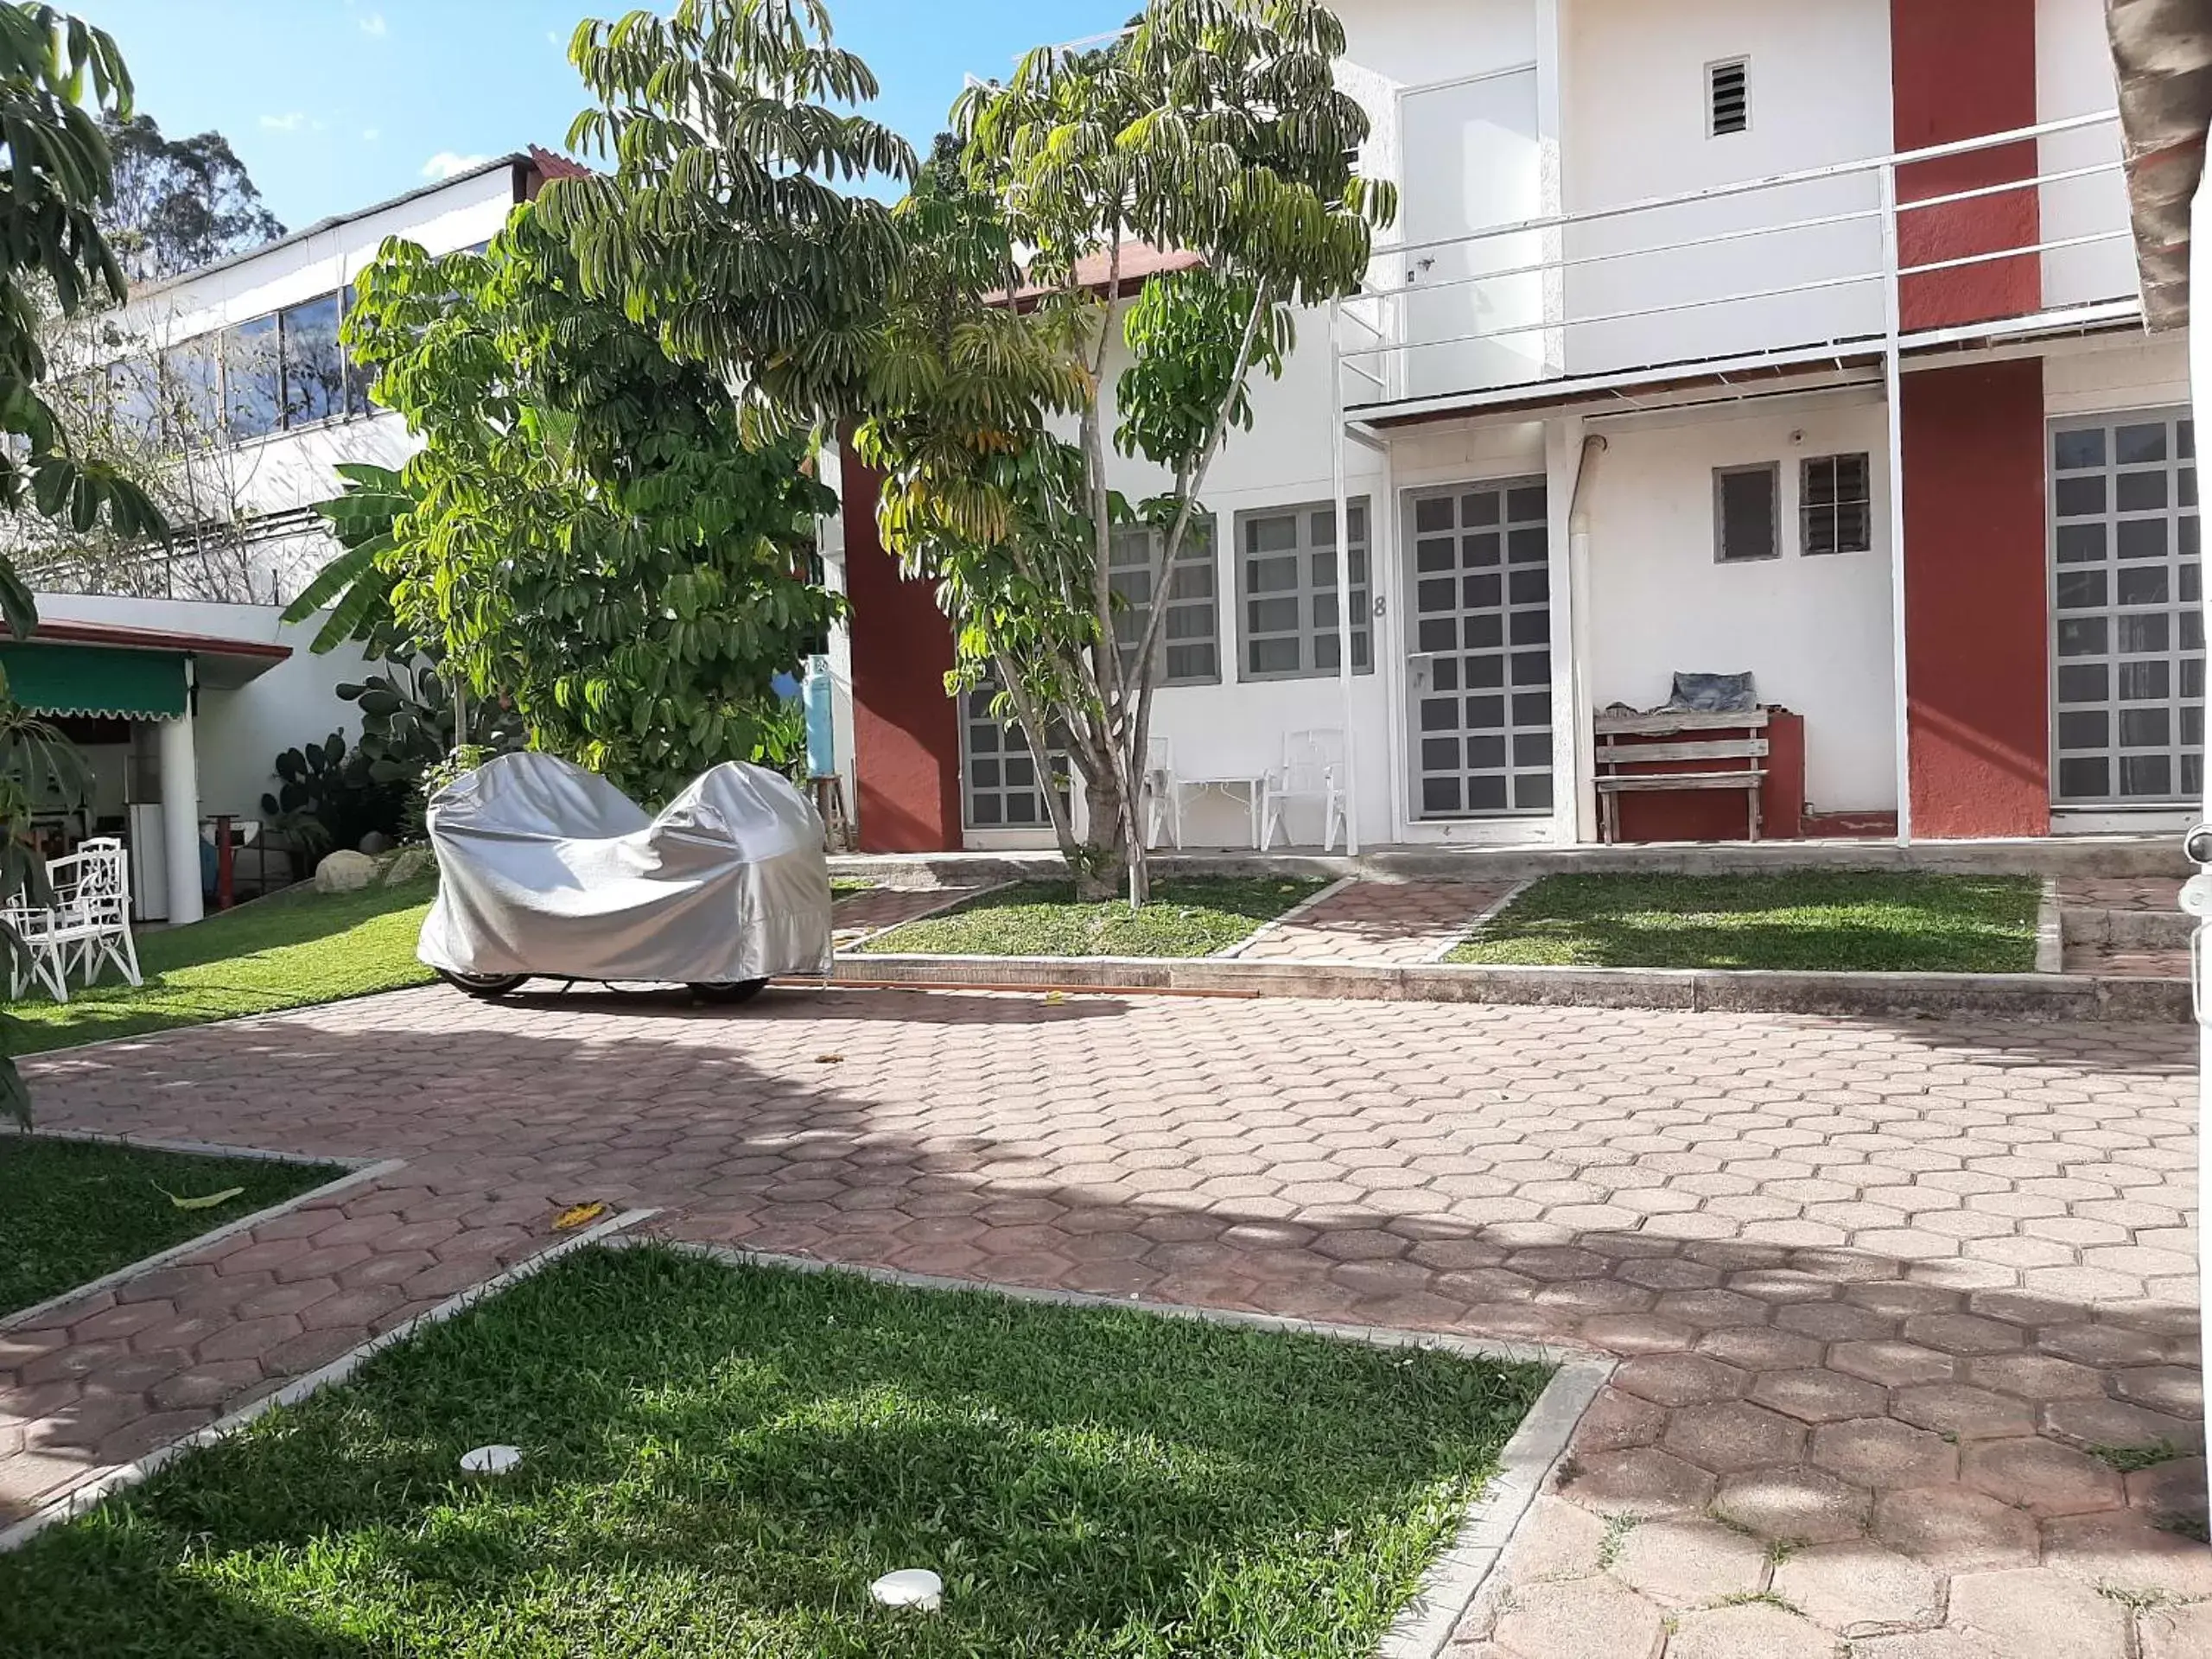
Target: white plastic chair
[
  {"x": 1163, "y": 802},
  {"x": 1313, "y": 770},
  {"x": 87, "y": 925}
]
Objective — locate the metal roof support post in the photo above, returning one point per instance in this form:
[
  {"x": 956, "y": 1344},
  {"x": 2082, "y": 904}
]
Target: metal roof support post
[
  {"x": 1337, "y": 490},
  {"x": 1893, "y": 380}
]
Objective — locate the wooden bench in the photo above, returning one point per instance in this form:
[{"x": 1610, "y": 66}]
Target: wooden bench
[{"x": 1626, "y": 741}]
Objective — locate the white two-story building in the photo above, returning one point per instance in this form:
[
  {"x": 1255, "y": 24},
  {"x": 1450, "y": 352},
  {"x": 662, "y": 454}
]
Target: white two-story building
[
  {"x": 175, "y": 675},
  {"x": 1715, "y": 336}
]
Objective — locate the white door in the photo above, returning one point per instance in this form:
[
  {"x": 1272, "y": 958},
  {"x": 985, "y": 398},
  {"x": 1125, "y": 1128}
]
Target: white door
[{"x": 1470, "y": 162}]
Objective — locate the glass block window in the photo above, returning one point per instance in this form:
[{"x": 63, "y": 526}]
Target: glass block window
[
  {"x": 1189, "y": 639},
  {"x": 1287, "y": 592},
  {"x": 2127, "y": 630},
  {"x": 1835, "y": 507},
  {"x": 1481, "y": 663},
  {"x": 999, "y": 783}
]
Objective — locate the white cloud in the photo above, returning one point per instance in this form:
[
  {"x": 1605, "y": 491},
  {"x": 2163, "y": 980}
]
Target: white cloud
[
  {"x": 446, "y": 164},
  {"x": 291, "y": 121},
  {"x": 373, "y": 24}
]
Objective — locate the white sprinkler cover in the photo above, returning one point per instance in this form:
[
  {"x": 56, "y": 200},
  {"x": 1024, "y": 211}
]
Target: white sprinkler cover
[
  {"x": 490, "y": 1459},
  {"x": 910, "y": 1587}
]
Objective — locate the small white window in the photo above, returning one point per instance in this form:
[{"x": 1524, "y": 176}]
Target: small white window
[
  {"x": 1745, "y": 515},
  {"x": 1728, "y": 96},
  {"x": 1836, "y": 505}
]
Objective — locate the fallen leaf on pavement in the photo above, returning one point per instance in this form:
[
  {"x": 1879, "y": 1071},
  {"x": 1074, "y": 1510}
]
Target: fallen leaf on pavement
[{"x": 578, "y": 1215}]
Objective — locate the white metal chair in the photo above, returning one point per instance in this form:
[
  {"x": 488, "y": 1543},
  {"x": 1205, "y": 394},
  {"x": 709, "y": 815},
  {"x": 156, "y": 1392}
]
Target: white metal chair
[
  {"x": 87, "y": 925},
  {"x": 1160, "y": 801},
  {"x": 1313, "y": 770}
]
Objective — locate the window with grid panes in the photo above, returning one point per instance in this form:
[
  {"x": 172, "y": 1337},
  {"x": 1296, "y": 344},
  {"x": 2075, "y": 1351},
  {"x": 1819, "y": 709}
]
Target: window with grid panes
[
  {"x": 2127, "y": 635},
  {"x": 1189, "y": 639},
  {"x": 999, "y": 783},
  {"x": 1835, "y": 506},
  {"x": 1287, "y": 591}
]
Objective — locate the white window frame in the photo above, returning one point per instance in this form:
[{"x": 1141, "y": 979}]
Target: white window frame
[
  {"x": 1773, "y": 471},
  {"x": 1142, "y": 545},
  {"x": 1806, "y": 507},
  {"x": 1314, "y": 624}
]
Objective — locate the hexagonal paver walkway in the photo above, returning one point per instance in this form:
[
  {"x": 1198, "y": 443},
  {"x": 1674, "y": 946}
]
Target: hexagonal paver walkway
[
  {"x": 1378, "y": 921},
  {"x": 1906, "y": 1312}
]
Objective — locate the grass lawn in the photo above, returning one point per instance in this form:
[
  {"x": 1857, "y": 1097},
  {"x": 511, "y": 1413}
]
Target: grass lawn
[
  {"x": 70, "y": 1210},
  {"x": 285, "y": 951},
  {"x": 1193, "y": 917},
  {"x": 1864, "y": 920},
  {"x": 844, "y": 887},
  {"x": 718, "y": 1461}
]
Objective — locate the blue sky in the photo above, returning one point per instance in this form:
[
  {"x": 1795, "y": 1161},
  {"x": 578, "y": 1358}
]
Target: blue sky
[{"x": 333, "y": 105}]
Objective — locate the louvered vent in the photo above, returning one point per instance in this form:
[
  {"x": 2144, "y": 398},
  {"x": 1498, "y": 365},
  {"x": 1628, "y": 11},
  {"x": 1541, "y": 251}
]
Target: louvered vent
[{"x": 1728, "y": 96}]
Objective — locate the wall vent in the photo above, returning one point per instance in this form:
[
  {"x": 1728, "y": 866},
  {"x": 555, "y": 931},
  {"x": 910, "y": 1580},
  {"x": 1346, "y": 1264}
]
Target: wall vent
[{"x": 1728, "y": 96}]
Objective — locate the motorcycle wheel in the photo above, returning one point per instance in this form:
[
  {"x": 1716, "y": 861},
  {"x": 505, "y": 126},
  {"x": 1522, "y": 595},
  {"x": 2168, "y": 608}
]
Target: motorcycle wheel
[
  {"x": 482, "y": 985},
  {"x": 730, "y": 993}
]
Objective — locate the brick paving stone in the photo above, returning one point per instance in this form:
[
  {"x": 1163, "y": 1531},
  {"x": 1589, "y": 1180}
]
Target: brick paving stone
[
  {"x": 1687, "y": 1561},
  {"x": 1379, "y": 922},
  {"x": 1819, "y": 1242},
  {"x": 1753, "y": 1631},
  {"x": 2039, "y": 1614},
  {"x": 2176, "y": 1633},
  {"x": 1858, "y": 1588},
  {"x": 1588, "y": 1619}
]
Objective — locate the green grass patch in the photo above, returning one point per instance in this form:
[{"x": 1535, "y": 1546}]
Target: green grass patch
[
  {"x": 286, "y": 952},
  {"x": 718, "y": 1461},
  {"x": 843, "y": 886},
  {"x": 1865, "y": 921},
  {"x": 70, "y": 1210},
  {"x": 2127, "y": 1460},
  {"x": 1045, "y": 918}
]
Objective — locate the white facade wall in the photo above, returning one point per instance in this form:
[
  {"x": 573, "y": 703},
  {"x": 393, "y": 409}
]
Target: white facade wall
[
  {"x": 1636, "y": 128},
  {"x": 241, "y": 731},
  {"x": 2074, "y": 76},
  {"x": 1815, "y": 631}
]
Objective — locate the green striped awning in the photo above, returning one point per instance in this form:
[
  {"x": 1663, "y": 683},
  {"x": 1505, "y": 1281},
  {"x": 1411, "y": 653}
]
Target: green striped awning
[{"x": 65, "y": 679}]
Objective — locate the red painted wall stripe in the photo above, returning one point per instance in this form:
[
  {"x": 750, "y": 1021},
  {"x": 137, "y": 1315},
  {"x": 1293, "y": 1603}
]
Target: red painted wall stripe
[
  {"x": 1962, "y": 69},
  {"x": 906, "y": 728},
  {"x": 1976, "y": 607}
]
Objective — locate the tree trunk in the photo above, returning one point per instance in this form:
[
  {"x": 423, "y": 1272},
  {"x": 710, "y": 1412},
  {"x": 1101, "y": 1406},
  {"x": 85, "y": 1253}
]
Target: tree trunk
[{"x": 1101, "y": 863}]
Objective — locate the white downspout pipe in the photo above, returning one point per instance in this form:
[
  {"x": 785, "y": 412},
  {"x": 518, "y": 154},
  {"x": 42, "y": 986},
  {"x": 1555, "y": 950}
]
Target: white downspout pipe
[
  {"x": 1338, "y": 494},
  {"x": 1577, "y": 572}
]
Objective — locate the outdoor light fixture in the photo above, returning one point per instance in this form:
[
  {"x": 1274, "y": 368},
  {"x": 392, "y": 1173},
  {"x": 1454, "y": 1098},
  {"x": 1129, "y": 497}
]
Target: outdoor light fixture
[{"x": 910, "y": 1587}]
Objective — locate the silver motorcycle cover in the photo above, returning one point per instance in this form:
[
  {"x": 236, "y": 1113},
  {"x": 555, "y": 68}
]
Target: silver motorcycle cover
[{"x": 546, "y": 868}]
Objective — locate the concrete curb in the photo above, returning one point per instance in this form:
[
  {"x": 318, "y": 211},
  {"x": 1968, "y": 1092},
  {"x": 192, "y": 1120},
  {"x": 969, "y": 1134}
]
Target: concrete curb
[
  {"x": 78, "y": 1499},
  {"x": 2025, "y": 997},
  {"x": 2157, "y": 929},
  {"x": 2099, "y": 855},
  {"x": 2050, "y": 930},
  {"x": 1423, "y": 1628},
  {"x": 1482, "y": 919},
  {"x": 359, "y": 1176}
]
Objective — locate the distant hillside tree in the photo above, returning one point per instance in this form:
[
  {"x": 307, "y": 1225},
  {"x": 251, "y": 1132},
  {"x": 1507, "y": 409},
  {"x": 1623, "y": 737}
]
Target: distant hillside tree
[{"x": 179, "y": 203}]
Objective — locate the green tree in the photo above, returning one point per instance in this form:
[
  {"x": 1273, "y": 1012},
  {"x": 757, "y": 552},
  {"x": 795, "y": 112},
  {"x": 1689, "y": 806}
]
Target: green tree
[
  {"x": 587, "y": 537},
  {"x": 1212, "y": 128},
  {"x": 58, "y": 76},
  {"x": 721, "y": 221},
  {"x": 179, "y": 203}
]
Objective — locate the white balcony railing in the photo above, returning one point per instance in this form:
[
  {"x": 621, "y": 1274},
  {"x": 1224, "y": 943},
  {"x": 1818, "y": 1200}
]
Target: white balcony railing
[{"x": 2013, "y": 233}]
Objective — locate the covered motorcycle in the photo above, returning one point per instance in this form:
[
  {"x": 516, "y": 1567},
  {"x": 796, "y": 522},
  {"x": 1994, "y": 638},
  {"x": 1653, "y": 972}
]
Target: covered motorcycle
[{"x": 548, "y": 870}]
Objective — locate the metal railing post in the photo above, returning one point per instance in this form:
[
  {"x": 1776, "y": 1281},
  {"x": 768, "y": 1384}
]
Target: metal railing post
[
  {"x": 1893, "y": 383},
  {"x": 1338, "y": 494}
]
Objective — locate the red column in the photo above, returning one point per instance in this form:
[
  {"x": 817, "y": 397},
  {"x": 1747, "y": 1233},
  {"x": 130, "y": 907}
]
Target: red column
[
  {"x": 1960, "y": 69},
  {"x": 905, "y": 728},
  {"x": 1975, "y": 609}
]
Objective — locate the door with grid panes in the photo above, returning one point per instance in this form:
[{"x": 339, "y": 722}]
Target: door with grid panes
[
  {"x": 2127, "y": 635},
  {"x": 1479, "y": 656},
  {"x": 1000, "y": 788}
]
